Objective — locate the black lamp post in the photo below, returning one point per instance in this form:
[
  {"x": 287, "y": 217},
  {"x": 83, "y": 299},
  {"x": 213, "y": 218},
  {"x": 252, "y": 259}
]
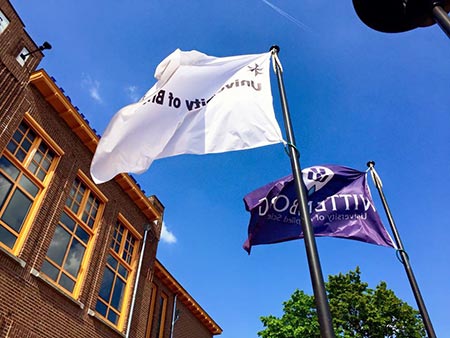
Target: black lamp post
[{"x": 44, "y": 46}]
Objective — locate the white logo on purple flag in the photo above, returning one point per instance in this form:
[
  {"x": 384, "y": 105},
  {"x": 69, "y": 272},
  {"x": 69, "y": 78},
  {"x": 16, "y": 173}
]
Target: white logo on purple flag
[{"x": 316, "y": 178}]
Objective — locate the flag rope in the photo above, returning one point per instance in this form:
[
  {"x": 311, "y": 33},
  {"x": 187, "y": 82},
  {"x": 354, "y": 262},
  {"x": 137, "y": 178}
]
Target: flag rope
[
  {"x": 276, "y": 62},
  {"x": 288, "y": 151},
  {"x": 398, "y": 253}
]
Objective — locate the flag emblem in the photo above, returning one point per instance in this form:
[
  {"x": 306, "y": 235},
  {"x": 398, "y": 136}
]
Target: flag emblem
[{"x": 255, "y": 69}]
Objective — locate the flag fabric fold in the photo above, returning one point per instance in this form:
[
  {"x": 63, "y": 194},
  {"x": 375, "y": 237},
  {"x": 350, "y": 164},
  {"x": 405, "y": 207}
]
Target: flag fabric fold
[
  {"x": 200, "y": 104},
  {"x": 339, "y": 202}
]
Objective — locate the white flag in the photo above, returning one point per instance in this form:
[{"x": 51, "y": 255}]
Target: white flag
[{"x": 201, "y": 104}]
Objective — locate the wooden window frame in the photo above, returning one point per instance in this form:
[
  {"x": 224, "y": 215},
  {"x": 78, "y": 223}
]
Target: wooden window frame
[
  {"x": 162, "y": 314},
  {"x": 41, "y": 137},
  {"x": 79, "y": 281},
  {"x": 131, "y": 267},
  {"x": 151, "y": 311}
]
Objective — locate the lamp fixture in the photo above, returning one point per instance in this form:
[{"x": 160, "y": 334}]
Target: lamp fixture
[{"x": 45, "y": 45}]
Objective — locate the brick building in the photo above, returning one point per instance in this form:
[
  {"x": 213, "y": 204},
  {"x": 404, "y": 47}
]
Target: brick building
[{"x": 76, "y": 259}]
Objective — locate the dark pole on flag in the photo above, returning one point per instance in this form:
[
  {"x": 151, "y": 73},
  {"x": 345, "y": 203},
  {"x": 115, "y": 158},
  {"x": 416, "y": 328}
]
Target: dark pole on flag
[
  {"x": 323, "y": 309},
  {"x": 404, "y": 259}
]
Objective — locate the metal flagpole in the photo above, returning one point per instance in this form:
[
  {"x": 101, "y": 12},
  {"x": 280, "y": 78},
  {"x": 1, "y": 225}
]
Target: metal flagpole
[
  {"x": 404, "y": 256},
  {"x": 323, "y": 310},
  {"x": 440, "y": 15}
]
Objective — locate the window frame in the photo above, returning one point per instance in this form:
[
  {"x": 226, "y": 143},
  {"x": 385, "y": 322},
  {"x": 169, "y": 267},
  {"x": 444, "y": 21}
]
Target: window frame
[
  {"x": 43, "y": 185},
  {"x": 132, "y": 272},
  {"x": 93, "y": 232},
  {"x": 26, "y": 55},
  {"x": 4, "y": 22},
  {"x": 151, "y": 311},
  {"x": 164, "y": 299}
]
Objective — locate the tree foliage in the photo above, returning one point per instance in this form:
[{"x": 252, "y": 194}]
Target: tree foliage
[{"x": 357, "y": 311}]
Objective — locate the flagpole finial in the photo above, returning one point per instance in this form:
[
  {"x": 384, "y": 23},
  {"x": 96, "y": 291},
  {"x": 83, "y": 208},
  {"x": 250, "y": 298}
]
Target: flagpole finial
[
  {"x": 276, "y": 48},
  {"x": 371, "y": 164}
]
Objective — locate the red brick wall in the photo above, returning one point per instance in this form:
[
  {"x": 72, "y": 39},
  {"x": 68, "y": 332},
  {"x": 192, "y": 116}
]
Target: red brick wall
[
  {"x": 27, "y": 303},
  {"x": 188, "y": 326},
  {"x": 30, "y": 307}
]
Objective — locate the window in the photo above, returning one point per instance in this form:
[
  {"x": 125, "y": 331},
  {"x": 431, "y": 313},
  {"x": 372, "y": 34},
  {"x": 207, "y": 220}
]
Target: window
[
  {"x": 4, "y": 22},
  {"x": 158, "y": 303},
  {"x": 152, "y": 311},
  {"x": 161, "y": 315},
  {"x": 72, "y": 240},
  {"x": 117, "y": 276},
  {"x": 23, "y": 56},
  {"x": 26, "y": 166}
]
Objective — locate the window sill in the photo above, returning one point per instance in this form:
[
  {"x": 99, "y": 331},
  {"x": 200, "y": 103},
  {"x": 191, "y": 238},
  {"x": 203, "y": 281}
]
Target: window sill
[
  {"x": 21, "y": 262},
  {"x": 37, "y": 274},
  {"x": 100, "y": 319}
]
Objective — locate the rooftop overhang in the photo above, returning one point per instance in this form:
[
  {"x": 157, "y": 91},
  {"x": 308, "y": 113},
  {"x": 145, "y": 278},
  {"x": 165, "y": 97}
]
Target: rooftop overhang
[
  {"x": 182, "y": 295},
  {"x": 150, "y": 206}
]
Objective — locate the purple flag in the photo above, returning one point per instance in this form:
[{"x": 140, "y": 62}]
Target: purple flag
[{"x": 339, "y": 203}]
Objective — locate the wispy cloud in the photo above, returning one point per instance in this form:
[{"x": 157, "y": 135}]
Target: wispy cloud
[
  {"x": 93, "y": 87},
  {"x": 287, "y": 16},
  {"x": 132, "y": 92},
  {"x": 167, "y": 236}
]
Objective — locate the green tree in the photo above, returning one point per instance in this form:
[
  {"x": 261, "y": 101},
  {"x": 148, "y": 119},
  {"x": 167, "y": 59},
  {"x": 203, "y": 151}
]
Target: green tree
[{"x": 357, "y": 311}]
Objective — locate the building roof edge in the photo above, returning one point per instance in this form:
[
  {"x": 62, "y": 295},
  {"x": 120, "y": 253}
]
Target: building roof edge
[
  {"x": 152, "y": 208},
  {"x": 164, "y": 275}
]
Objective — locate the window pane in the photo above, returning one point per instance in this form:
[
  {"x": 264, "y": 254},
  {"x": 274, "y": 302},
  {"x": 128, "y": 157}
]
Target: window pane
[
  {"x": 105, "y": 289},
  {"x": 123, "y": 271},
  {"x": 9, "y": 168},
  {"x": 90, "y": 211},
  {"x": 26, "y": 145},
  {"x": 112, "y": 261},
  {"x": 7, "y": 238},
  {"x": 29, "y": 186},
  {"x": 82, "y": 235},
  {"x": 33, "y": 167},
  {"x": 58, "y": 247},
  {"x": 20, "y": 155},
  {"x": 41, "y": 175},
  {"x": 43, "y": 148},
  {"x": 66, "y": 282},
  {"x": 12, "y": 146},
  {"x": 101, "y": 308},
  {"x": 46, "y": 163},
  {"x": 119, "y": 288},
  {"x": 112, "y": 317},
  {"x": 74, "y": 258},
  {"x": 79, "y": 196},
  {"x": 38, "y": 156},
  {"x": 17, "y": 210},
  {"x": 31, "y": 135},
  {"x": 67, "y": 221},
  {"x": 5, "y": 187},
  {"x": 50, "y": 270},
  {"x": 116, "y": 247}
]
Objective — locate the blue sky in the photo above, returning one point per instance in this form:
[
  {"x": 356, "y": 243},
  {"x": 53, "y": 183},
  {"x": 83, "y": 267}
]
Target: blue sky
[{"x": 354, "y": 94}]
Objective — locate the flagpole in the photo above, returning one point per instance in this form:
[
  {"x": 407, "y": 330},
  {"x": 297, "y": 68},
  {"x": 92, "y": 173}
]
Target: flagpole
[
  {"x": 323, "y": 309},
  {"x": 441, "y": 17},
  {"x": 404, "y": 256}
]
